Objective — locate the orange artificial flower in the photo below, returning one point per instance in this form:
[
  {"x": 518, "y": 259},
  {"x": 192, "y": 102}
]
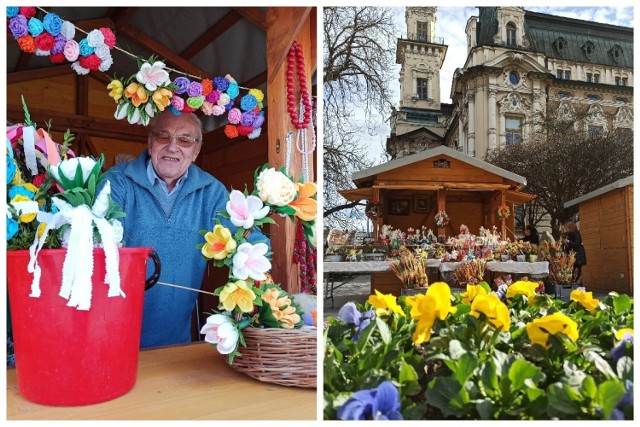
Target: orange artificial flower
[
  {"x": 306, "y": 208},
  {"x": 162, "y": 98},
  {"x": 137, "y": 93}
]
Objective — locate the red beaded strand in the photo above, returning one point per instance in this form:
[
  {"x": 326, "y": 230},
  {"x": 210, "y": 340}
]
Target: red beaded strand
[{"x": 295, "y": 54}]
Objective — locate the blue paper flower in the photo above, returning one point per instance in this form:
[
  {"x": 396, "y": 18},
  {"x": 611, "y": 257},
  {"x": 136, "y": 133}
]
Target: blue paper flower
[
  {"x": 11, "y": 169},
  {"x": 233, "y": 91},
  {"x": 85, "y": 49},
  {"x": 248, "y": 102},
  {"x": 221, "y": 84},
  {"x": 35, "y": 27},
  {"x": 12, "y": 228},
  {"x": 350, "y": 315},
  {"x": 182, "y": 84},
  {"x": 52, "y": 23},
  {"x": 12, "y": 11},
  {"x": 381, "y": 403}
]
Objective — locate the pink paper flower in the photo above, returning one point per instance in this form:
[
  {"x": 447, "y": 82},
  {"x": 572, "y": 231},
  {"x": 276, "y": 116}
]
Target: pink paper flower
[
  {"x": 109, "y": 37},
  {"x": 234, "y": 116},
  {"x": 153, "y": 76},
  {"x": 218, "y": 110},
  {"x": 207, "y": 108},
  {"x": 250, "y": 261},
  {"x": 71, "y": 50},
  {"x": 244, "y": 210}
]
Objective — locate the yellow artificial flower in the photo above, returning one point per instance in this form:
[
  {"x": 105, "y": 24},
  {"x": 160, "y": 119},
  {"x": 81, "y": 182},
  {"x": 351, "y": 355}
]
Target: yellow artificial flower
[
  {"x": 257, "y": 93},
  {"x": 17, "y": 178},
  {"x": 220, "y": 243},
  {"x": 29, "y": 186},
  {"x": 472, "y": 292},
  {"x": 540, "y": 329},
  {"x": 237, "y": 294},
  {"x": 24, "y": 218},
  {"x": 281, "y": 308},
  {"x": 162, "y": 98},
  {"x": 306, "y": 208},
  {"x": 435, "y": 304},
  {"x": 620, "y": 333},
  {"x": 137, "y": 93},
  {"x": 527, "y": 289},
  {"x": 494, "y": 310},
  {"x": 41, "y": 228},
  {"x": 585, "y": 299},
  {"x": 116, "y": 89},
  {"x": 384, "y": 303}
]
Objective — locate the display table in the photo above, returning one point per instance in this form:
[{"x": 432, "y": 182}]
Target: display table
[{"x": 188, "y": 382}]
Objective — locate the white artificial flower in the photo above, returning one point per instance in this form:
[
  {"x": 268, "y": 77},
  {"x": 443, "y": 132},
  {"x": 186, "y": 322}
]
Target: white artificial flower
[
  {"x": 68, "y": 30},
  {"x": 250, "y": 261},
  {"x": 39, "y": 52},
  {"x": 275, "y": 188},
  {"x": 106, "y": 64},
  {"x": 101, "y": 205},
  {"x": 118, "y": 231},
  {"x": 121, "y": 111},
  {"x": 221, "y": 331},
  {"x": 68, "y": 168},
  {"x": 223, "y": 100},
  {"x": 79, "y": 69},
  {"x": 134, "y": 117},
  {"x": 102, "y": 52},
  {"x": 153, "y": 76},
  {"x": 243, "y": 211},
  {"x": 95, "y": 38}
]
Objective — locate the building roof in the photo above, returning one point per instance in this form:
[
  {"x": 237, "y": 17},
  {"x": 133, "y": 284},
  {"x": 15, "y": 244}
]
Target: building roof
[
  {"x": 543, "y": 30},
  {"x": 438, "y": 151},
  {"x": 600, "y": 191}
]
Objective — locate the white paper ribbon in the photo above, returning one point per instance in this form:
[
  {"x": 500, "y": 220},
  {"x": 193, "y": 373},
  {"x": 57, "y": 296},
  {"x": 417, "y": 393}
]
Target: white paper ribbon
[
  {"x": 28, "y": 141},
  {"x": 77, "y": 268}
]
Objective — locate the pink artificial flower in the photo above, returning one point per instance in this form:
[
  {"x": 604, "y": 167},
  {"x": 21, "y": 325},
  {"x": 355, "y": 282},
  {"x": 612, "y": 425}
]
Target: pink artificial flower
[
  {"x": 250, "y": 261},
  {"x": 218, "y": 110},
  {"x": 207, "y": 108},
  {"x": 71, "y": 50},
  {"x": 244, "y": 210},
  {"x": 153, "y": 76},
  {"x": 234, "y": 116},
  {"x": 109, "y": 37},
  {"x": 177, "y": 103}
]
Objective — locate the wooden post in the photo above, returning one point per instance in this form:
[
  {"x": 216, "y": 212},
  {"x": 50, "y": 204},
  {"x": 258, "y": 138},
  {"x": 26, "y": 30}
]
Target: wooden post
[
  {"x": 503, "y": 224},
  {"x": 377, "y": 222},
  {"x": 442, "y": 206},
  {"x": 284, "y": 25}
]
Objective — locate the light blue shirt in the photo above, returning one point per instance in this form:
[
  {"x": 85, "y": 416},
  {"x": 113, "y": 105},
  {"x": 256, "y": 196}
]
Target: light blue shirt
[{"x": 166, "y": 198}]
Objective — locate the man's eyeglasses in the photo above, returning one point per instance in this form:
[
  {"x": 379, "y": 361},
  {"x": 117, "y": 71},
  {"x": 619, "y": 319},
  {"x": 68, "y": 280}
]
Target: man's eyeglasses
[{"x": 164, "y": 137}]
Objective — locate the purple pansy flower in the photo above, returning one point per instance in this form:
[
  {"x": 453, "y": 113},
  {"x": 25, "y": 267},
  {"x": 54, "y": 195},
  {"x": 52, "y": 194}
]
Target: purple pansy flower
[
  {"x": 380, "y": 403},
  {"x": 350, "y": 315},
  {"x": 618, "y": 351}
]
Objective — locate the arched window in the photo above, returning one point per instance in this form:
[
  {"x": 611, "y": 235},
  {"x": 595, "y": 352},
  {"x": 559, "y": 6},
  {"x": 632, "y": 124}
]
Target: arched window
[{"x": 511, "y": 34}]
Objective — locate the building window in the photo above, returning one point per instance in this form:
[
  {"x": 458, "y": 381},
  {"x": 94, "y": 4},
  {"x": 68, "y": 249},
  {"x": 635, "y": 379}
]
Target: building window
[
  {"x": 616, "y": 53},
  {"x": 564, "y": 95},
  {"x": 595, "y": 131},
  {"x": 560, "y": 45},
  {"x": 624, "y": 81},
  {"x": 567, "y": 75},
  {"x": 563, "y": 74},
  {"x": 514, "y": 78},
  {"x": 596, "y": 78},
  {"x": 511, "y": 34},
  {"x": 422, "y": 31},
  {"x": 593, "y": 97},
  {"x": 513, "y": 130},
  {"x": 422, "y": 88},
  {"x": 589, "y": 77},
  {"x": 621, "y": 100},
  {"x": 588, "y": 48}
]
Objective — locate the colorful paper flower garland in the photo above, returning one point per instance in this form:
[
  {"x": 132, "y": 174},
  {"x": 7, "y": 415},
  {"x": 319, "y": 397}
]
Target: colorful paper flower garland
[
  {"x": 143, "y": 95},
  {"x": 54, "y": 37}
]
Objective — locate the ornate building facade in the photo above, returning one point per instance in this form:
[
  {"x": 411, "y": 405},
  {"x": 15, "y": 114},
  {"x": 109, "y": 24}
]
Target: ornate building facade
[{"x": 519, "y": 64}]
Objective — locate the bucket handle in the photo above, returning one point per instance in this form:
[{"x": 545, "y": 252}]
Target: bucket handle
[{"x": 156, "y": 273}]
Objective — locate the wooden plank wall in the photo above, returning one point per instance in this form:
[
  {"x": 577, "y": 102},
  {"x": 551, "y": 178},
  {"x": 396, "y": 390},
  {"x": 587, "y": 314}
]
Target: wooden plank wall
[{"x": 606, "y": 227}]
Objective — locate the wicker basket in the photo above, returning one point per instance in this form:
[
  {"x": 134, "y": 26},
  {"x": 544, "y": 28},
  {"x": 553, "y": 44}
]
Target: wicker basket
[{"x": 281, "y": 356}]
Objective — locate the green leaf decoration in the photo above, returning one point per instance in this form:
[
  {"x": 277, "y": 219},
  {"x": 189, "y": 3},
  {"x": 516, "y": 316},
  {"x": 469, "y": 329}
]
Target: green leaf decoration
[
  {"x": 385, "y": 333},
  {"x": 609, "y": 394},
  {"x": 27, "y": 116},
  {"x": 520, "y": 371}
]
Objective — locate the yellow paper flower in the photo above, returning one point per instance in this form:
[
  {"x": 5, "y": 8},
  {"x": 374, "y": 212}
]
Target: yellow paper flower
[
  {"x": 41, "y": 228},
  {"x": 540, "y": 329},
  {"x": 237, "y": 294},
  {"x": 472, "y": 292},
  {"x": 435, "y": 304},
  {"x": 494, "y": 310},
  {"x": 585, "y": 299},
  {"x": 24, "y": 218},
  {"x": 620, "y": 333},
  {"x": 306, "y": 208},
  {"x": 384, "y": 303},
  {"x": 257, "y": 93},
  {"x": 116, "y": 88},
  {"x": 220, "y": 243},
  {"x": 527, "y": 289},
  {"x": 162, "y": 98},
  {"x": 137, "y": 93},
  {"x": 29, "y": 186}
]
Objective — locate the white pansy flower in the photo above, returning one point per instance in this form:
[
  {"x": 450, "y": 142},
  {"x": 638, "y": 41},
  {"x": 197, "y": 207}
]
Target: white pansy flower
[{"x": 275, "y": 188}]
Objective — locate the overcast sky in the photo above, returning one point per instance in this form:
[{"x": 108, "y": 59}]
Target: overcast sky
[{"x": 450, "y": 25}]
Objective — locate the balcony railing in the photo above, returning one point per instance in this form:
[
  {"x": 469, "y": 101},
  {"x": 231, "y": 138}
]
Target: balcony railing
[{"x": 424, "y": 38}]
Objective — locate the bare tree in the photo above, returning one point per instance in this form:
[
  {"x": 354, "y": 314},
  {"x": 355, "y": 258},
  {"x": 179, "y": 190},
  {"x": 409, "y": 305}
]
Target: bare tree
[
  {"x": 359, "y": 46},
  {"x": 565, "y": 160}
]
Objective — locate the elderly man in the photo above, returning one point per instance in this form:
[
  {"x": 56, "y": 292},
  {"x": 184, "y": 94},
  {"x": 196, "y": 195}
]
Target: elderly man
[{"x": 168, "y": 200}]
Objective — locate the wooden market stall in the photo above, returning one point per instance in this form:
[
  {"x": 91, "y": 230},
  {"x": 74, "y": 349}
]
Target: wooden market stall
[
  {"x": 249, "y": 43},
  {"x": 413, "y": 189},
  {"x": 606, "y": 227}
]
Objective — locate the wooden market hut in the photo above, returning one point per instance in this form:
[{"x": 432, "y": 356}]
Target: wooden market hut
[
  {"x": 412, "y": 189},
  {"x": 606, "y": 227},
  {"x": 249, "y": 43}
]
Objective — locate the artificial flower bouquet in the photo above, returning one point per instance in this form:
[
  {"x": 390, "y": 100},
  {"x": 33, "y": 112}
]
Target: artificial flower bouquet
[
  {"x": 247, "y": 299},
  {"x": 373, "y": 210},
  {"x": 481, "y": 354},
  {"x": 441, "y": 219},
  {"x": 410, "y": 269},
  {"x": 503, "y": 212}
]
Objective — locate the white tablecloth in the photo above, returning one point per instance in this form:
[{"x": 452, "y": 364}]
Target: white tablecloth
[
  {"x": 367, "y": 266},
  {"x": 530, "y": 268}
]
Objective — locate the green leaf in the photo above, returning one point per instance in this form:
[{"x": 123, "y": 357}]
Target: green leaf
[
  {"x": 456, "y": 350},
  {"x": 385, "y": 334},
  {"x": 27, "y": 117},
  {"x": 486, "y": 409},
  {"x": 589, "y": 388},
  {"x": 466, "y": 366},
  {"x": 407, "y": 373},
  {"x": 489, "y": 377},
  {"x": 609, "y": 394},
  {"x": 562, "y": 399},
  {"x": 601, "y": 364},
  {"x": 440, "y": 392},
  {"x": 521, "y": 370},
  {"x": 624, "y": 367}
]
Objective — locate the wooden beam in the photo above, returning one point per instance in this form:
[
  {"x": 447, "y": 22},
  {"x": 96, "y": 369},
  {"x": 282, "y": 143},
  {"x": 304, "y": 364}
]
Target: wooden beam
[
  {"x": 408, "y": 186},
  {"x": 255, "y": 81},
  {"x": 162, "y": 51},
  {"x": 283, "y": 25},
  {"x": 77, "y": 124},
  {"x": 211, "y": 34},
  {"x": 37, "y": 74},
  {"x": 254, "y": 15},
  {"x": 82, "y": 96},
  {"x": 475, "y": 186},
  {"x": 121, "y": 15}
]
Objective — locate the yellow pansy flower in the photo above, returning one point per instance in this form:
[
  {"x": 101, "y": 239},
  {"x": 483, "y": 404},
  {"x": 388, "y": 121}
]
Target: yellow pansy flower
[
  {"x": 494, "y": 310},
  {"x": 237, "y": 294},
  {"x": 620, "y": 333},
  {"x": 540, "y": 329},
  {"x": 527, "y": 289},
  {"x": 116, "y": 88},
  {"x": 384, "y": 303},
  {"x": 585, "y": 299},
  {"x": 472, "y": 292},
  {"x": 435, "y": 304},
  {"x": 220, "y": 243}
]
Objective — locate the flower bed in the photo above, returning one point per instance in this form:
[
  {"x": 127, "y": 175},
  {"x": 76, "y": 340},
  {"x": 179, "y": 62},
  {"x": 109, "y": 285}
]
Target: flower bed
[{"x": 512, "y": 354}]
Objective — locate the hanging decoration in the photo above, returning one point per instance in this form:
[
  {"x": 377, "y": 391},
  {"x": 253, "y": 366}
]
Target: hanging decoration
[
  {"x": 53, "y": 37},
  {"x": 150, "y": 90}
]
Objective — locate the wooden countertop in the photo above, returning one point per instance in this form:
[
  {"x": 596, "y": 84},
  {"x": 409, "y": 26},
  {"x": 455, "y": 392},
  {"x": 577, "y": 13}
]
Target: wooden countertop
[{"x": 188, "y": 382}]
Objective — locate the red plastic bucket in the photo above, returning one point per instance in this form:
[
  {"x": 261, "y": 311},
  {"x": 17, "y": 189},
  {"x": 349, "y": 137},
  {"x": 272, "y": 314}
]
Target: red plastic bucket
[{"x": 69, "y": 357}]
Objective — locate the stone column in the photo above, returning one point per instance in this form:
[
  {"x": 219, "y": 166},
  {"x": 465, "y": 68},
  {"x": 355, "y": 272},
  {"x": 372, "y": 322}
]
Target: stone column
[
  {"x": 492, "y": 119},
  {"x": 503, "y": 136},
  {"x": 471, "y": 136}
]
